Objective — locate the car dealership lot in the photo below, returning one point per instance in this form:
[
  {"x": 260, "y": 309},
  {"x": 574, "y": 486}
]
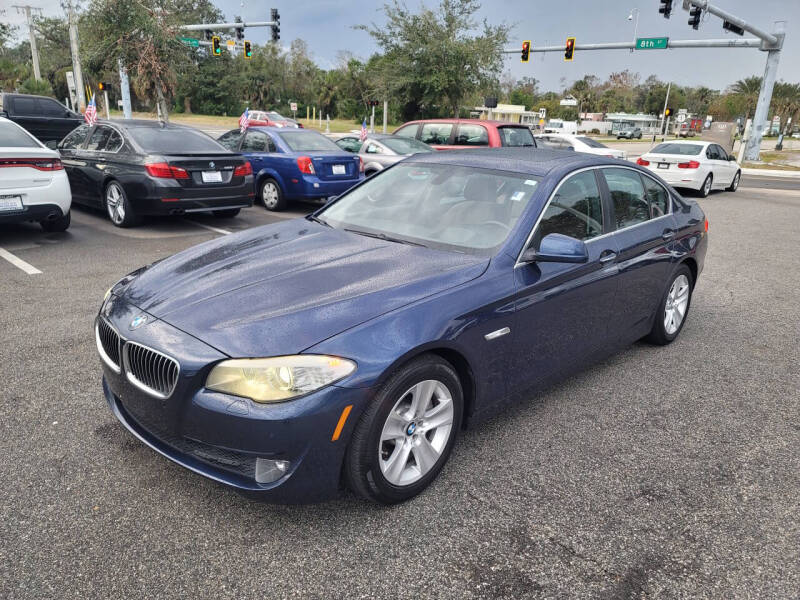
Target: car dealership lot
[{"x": 662, "y": 472}]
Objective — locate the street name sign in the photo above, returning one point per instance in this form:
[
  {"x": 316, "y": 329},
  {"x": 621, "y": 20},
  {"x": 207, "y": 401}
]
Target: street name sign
[
  {"x": 191, "y": 42},
  {"x": 659, "y": 43}
]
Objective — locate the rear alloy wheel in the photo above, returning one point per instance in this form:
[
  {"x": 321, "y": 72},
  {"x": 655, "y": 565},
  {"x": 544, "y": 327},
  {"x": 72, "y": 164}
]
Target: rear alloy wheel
[
  {"x": 228, "y": 213},
  {"x": 271, "y": 195},
  {"x": 58, "y": 224},
  {"x": 674, "y": 306},
  {"x": 735, "y": 183},
  {"x": 705, "y": 190},
  {"x": 405, "y": 435},
  {"x": 118, "y": 207}
]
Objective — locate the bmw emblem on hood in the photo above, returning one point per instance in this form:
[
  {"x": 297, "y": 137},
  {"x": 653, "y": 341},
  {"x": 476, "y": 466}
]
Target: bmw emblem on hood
[
  {"x": 137, "y": 322},
  {"x": 211, "y": 165}
]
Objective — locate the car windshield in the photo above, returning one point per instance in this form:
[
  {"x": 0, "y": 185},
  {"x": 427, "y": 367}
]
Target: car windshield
[
  {"x": 590, "y": 142},
  {"x": 12, "y": 136},
  {"x": 403, "y": 145},
  {"x": 174, "y": 140},
  {"x": 516, "y": 136},
  {"x": 447, "y": 207},
  {"x": 683, "y": 149},
  {"x": 308, "y": 141}
]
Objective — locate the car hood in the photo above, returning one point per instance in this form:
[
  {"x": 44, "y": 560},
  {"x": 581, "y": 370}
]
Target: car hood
[{"x": 279, "y": 289}]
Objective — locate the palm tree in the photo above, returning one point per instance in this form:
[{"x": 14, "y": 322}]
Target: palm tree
[
  {"x": 748, "y": 88},
  {"x": 786, "y": 101}
]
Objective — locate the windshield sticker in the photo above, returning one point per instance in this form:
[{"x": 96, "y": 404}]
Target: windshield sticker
[
  {"x": 517, "y": 196},
  {"x": 530, "y": 182}
]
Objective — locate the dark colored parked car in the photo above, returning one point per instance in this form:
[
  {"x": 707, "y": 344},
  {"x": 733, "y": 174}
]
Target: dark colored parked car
[
  {"x": 294, "y": 164},
  {"x": 133, "y": 168},
  {"x": 459, "y": 134},
  {"x": 46, "y": 118},
  {"x": 351, "y": 347}
]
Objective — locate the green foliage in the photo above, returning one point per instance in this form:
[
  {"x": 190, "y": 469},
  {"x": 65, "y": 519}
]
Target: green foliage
[{"x": 40, "y": 88}]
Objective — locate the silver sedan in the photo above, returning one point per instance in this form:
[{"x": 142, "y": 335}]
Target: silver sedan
[{"x": 379, "y": 151}]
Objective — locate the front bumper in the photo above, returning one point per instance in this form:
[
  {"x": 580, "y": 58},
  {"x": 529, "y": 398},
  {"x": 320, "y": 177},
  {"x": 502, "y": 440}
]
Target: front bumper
[{"x": 221, "y": 436}]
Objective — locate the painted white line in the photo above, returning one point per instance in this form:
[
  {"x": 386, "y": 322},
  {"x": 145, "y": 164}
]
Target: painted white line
[
  {"x": 209, "y": 227},
  {"x": 19, "y": 263},
  {"x": 770, "y": 191}
]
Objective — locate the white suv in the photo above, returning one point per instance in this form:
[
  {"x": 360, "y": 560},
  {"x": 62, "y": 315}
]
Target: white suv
[{"x": 33, "y": 183}]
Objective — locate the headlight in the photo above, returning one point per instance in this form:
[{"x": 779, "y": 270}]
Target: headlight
[{"x": 278, "y": 378}]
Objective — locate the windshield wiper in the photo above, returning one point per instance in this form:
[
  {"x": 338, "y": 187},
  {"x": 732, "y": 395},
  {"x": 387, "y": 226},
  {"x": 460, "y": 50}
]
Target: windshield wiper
[
  {"x": 318, "y": 220},
  {"x": 383, "y": 236}
]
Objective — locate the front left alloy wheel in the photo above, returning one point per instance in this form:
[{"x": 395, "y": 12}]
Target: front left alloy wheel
[{"x": 404, "y": 437}]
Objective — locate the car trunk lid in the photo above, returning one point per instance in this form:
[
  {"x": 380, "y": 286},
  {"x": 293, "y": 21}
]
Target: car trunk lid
[
  {"x": 206, "y": 170},
  {"x": 26, "y": 167},
  {"x": 333, "y": 166}
]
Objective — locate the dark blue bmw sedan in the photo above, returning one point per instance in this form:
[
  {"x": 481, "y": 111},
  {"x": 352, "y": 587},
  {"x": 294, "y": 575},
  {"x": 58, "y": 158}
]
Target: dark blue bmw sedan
[{"x": 349, "y": 348}]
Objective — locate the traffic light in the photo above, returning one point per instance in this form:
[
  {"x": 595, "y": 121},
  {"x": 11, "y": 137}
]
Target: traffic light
[
  {"x": 732, "y": 28},
  {"x": 239, "y": 33},
  {"x": 103, "y": 87},
  {"x": 569, "y": 49},
  {"x": 275, "y": 17},
  {"x": 666, "y": 8},
  {"x": 526, "y": 50},
  {"x": 216, "y": 48},
  {"x": 694, "y": 17},
  {"x": 667, "y": 112},
  {"x": 248, "y": 49}
]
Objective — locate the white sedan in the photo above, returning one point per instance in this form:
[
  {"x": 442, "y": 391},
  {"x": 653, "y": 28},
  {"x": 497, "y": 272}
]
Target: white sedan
[
  {"x": 700, "y": 166},
  {"x": 579, "y": 143},
  {"x": 33, "y": 183}
]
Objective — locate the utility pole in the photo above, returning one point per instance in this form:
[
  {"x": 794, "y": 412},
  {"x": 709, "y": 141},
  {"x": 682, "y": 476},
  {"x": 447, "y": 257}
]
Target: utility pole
[
  {"x": 385, "y": 113},
  {"x": 125, "y": 89},
  {"x": 76, "y": 59},
  {"x": 34, "y": 50}
]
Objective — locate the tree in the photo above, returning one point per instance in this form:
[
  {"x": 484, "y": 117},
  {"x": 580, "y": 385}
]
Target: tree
[
  {"x": 748, "y": 89},
  {"x": 438, "y": 56}
]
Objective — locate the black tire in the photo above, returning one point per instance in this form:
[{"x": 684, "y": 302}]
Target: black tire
[
  {"x": 705, "y": 189},
  {"x": 369, "y": 173},
  {"x": 735, "y": 183},
  {"x": 658, "y": 334},
  {"x": 362, "y": 470},
  {"x": 274, "y": 199},
  {"x": 640, "y": 137},
  {"x": 55, "y": 225},
  {"x": 228, "y": 213},
  {"x": 114, "y": 196}
]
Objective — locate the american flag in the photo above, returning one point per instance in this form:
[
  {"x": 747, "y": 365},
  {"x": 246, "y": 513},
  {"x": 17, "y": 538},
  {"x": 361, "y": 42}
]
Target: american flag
[
  {"x": 90, "y": 116},
  {"x": 363, "y": 135},
  {"x": 244, "y": 120}
]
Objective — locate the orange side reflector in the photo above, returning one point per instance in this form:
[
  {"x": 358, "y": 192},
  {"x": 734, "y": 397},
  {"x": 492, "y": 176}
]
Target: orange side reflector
[
  {"x": 342, "y": 421},
  {"x": 706, "y": 225}
]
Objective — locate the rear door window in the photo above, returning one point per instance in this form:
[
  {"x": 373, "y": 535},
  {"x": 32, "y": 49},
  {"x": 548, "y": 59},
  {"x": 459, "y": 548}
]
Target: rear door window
[
  {"x": 349, "y": 144},
  {"x": 114, "y": 142},
  {"x": 627, "y": 195},
  {"x": 657, "y": 197},
  {"x": 516, "y": 136},
  {"x": 471, "y": 135},
  {"x": 99, "y": 138},
  {"x": 409, "y": 131},
  {"x": 436, "y": 133},
  {"x": 26, "y": 107},
  {"x": 51, "y": 108}
]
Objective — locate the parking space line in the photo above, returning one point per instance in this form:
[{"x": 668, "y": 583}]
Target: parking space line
[
  {"x": 209, "y": 227},
  {"x": 19, "y": 263}
]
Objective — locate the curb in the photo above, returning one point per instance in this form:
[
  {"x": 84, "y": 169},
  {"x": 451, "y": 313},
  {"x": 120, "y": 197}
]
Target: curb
[{"x": 771, "y": 173}]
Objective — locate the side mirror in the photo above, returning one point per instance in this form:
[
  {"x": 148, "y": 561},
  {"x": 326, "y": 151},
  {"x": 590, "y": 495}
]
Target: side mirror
[
  {"x": 556, "y": 247},
  {"x": 52, "y": 144}
]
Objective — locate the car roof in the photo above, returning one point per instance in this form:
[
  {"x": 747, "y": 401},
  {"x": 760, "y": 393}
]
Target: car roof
[
  {"x": 476, "y": 121},
  {"x": 125, "y": 123},
  {"x": 532, "y": 161}
]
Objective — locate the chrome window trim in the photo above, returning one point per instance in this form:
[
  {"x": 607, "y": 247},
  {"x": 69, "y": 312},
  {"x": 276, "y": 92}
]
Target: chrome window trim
[
  {"x": 105, "y": 357},
  {"x": 565, "y": 178},
  {"x": 145, "y": 388}
]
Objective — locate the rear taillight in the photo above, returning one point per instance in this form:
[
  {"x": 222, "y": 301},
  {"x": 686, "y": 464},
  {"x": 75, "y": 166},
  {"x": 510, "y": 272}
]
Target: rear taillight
[
  {"x": 642, "y": 162},
  {"x": 305, "y": 165},
  {"x": 692, "y": 164},
  {"x": 243, "y": 170},
  {"x": 165, "y": 171},
  {"x": 40, "y": 164}
]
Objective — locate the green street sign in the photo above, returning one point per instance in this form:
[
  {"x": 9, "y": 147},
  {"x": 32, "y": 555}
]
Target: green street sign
[
  {"x": 652, "y": 43},
  {"x": 191, "y": 42}
]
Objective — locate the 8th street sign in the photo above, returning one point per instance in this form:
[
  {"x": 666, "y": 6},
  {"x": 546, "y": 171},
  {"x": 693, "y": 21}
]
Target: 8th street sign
[{"x": 652, "y": 43}]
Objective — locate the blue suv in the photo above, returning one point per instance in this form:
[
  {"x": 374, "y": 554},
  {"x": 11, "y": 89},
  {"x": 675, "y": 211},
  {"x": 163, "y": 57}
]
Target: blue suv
[{"x": 294, "y": 164}]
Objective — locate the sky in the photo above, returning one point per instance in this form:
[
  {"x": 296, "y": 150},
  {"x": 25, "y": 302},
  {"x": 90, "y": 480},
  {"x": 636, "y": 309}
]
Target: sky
[{"x": 327, "y": 26}]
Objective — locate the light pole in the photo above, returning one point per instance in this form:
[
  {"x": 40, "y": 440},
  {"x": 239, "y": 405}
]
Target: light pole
[{"x": 635, "y": 24}]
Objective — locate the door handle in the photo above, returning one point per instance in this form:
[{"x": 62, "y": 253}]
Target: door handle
[
  {"x": 668, "y": 234},
  {"x": 608, "y": 256}
]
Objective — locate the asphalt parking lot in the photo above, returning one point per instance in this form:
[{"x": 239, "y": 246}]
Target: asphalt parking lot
[{"x": 660, "y": 473}]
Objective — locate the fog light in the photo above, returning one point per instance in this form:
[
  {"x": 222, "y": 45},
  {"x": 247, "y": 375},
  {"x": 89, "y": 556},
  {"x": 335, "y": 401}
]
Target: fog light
[{"x": 268, "y": 470}]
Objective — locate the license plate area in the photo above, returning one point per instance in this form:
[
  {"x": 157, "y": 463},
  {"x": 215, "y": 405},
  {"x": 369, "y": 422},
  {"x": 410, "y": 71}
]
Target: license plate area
[
  {"x": 663, "y": 165},
  {"x": 211, "y": 177},
  {"x": 339, "y": 170},
  {"x": 10, "y": 203}
]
